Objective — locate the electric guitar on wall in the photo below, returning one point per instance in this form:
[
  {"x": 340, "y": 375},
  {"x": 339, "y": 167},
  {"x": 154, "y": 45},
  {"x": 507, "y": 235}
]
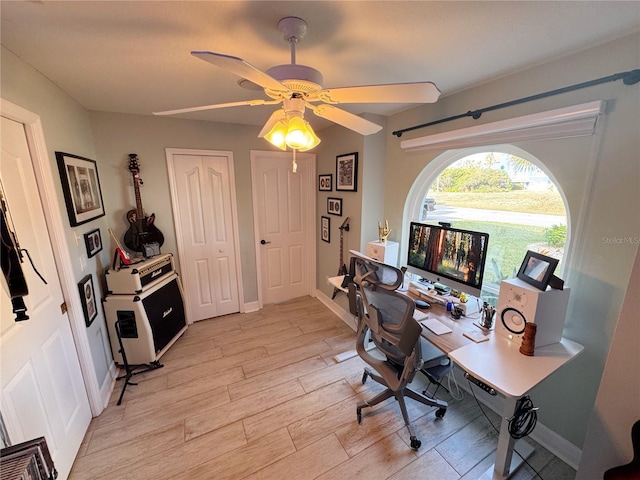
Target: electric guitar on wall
[
  {"x": 141, "y": 231},
  {"x": 342, "y": 269}
]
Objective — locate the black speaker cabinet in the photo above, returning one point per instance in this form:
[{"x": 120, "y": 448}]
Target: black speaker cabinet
[
  {"x": 520, "y": 303},
  {"x": 150, "y": 321}
]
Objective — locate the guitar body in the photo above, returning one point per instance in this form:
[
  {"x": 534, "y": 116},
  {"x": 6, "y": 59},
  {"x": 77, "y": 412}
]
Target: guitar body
[{"x": 141, "y": 231}]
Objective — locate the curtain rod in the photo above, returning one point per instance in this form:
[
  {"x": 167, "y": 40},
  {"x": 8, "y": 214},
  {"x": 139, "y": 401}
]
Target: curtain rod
[{"x": 628, "y": 78}]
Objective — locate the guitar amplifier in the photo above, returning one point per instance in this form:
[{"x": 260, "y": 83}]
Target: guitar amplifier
[
  {"x": 150, "y": 322},
  {"x": 138, "y": 277}
]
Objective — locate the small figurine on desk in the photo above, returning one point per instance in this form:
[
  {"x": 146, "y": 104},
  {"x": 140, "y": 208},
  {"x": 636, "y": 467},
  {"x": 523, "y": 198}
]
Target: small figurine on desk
[
  {"x": 529, "y": 339},
  {"x": 383, "y": 232}
]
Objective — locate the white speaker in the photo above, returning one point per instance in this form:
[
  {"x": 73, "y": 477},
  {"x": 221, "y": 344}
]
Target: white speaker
[
  {"x": 519, "y": 303},
  {"x": 150, "y": 322}
]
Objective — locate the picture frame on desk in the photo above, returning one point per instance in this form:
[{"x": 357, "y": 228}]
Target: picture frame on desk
[{"x": 537, "y": 269}]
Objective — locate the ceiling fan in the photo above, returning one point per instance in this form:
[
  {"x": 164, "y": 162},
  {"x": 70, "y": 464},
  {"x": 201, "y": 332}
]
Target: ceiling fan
[{"x": 298, "y": 87}]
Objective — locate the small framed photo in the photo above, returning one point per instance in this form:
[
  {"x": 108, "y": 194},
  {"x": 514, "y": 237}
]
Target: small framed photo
[
  {"x": 81, "y": 188},
  {"x": 325, "y": 183},
  {"x": 537, "y": 269},
  {"x": 325, "y": 229},
  {"x": 334, "y": 206},
  {"x": 93, "y": 242},
  {"x": 347, "y": 172},
  {"x": 88, "y": 299}
]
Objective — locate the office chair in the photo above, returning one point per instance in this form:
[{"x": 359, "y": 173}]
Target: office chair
[{"x": 386, "y": 317}]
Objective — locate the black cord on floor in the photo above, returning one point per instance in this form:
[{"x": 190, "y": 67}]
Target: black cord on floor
[{"x": 498, "y": 431}]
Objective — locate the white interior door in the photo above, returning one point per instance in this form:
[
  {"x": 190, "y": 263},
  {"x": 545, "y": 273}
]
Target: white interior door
[
  {"x": 43, "y": 393},
  {"x": 203, "y": 193},
  {"x": 284, "y": 217}
]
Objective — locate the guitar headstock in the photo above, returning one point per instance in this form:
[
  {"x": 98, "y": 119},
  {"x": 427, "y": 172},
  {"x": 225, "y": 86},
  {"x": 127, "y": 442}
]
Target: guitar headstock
[{"x": 134, "y": 167}]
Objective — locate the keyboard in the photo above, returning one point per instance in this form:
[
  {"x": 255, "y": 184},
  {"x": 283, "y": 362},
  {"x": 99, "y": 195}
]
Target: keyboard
[
  {"x": 436, "y": 326},
  {"x": 419, "y": 315}
]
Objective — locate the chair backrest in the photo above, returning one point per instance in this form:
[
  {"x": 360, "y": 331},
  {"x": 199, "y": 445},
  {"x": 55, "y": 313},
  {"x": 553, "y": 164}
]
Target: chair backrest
[{"x": 388, "y": 315}]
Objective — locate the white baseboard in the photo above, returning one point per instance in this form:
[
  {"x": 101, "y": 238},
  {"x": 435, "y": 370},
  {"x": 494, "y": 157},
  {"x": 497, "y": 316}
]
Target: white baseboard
[
  {"x": 557, "y": 445},
  {"x": 251, "y": 307},
  {"x": 344, "y": 315}
]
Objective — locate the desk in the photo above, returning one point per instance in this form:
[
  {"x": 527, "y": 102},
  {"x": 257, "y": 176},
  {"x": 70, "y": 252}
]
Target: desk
[{"x": 498, "y": 363}]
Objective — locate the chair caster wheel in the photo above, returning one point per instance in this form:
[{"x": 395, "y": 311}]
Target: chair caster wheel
[
  {"x": 365, "y": 375},
  {"x": 440, "y": 412},
  {"x": 359, "y": 415},
  {"x": 415, "y": 443}
]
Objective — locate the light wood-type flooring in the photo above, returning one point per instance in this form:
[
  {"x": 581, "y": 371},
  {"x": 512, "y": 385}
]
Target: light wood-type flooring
[{"x": 259, "y": 396}]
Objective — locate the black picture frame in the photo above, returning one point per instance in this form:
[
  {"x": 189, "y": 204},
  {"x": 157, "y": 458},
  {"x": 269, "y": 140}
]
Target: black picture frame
[
  {"x": 81, "y": 188},
  {"x": 334, "y": 206},
  {"x": 88, "y": 299},
  {"x": 537, "y": 269},
  {"x": 93, "y": 242},
  {"x": 325, "y": 183},
  {"x": 347, "y": 172},
  {"x": 325, "y": 229}
]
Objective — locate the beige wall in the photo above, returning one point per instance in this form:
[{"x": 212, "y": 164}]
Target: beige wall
[
  {"x": 117, "y": 135},
  {"x": 66, "y": 128},
  {"x": 603, "y": 203}
]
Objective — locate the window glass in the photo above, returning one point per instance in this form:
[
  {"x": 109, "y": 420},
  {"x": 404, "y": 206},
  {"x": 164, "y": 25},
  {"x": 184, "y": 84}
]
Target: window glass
[{"x": 506, "y": 196}]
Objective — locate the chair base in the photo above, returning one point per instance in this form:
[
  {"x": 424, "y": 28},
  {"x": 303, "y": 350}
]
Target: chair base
[{"x": 400, "y": 396}]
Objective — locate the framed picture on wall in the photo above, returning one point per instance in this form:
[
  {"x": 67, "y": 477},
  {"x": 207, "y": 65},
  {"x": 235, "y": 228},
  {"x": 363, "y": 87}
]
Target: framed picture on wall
[
  {"x": 347, "y": 172},
  {"x": 334, "y": 206},
  {"x": 325, "y": 229},
  {"x": 81, "y": 188},
  {"x": 325, "y": 183},
  {"x": 93, "y": 242},
  {"x": 88, "y": 299}
]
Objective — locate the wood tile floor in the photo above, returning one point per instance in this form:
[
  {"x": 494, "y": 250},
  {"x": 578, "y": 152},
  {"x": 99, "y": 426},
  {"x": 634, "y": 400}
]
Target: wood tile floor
[{"x": 259, "y": 396}]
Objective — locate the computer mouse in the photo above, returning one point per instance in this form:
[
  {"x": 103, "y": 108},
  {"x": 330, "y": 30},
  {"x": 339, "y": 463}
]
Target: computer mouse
[{"x": 422, "y": 304}]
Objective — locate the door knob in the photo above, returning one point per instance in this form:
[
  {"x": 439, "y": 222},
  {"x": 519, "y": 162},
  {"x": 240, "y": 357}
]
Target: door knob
[{"x": 263, "y": 242}]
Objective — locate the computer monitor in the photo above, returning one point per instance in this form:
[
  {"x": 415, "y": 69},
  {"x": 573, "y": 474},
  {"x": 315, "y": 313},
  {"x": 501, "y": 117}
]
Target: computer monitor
[{"x": 446, "y": 255}]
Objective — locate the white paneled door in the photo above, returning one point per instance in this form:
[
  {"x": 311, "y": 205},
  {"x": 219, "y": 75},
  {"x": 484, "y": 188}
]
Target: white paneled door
[
  {"x": 43, "y": 392},
  {"x": 203, "y": 196},
  {"x": 284, "y": 219}
]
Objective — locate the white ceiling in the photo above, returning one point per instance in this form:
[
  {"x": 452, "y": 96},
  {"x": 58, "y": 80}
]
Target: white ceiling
[{"x": 134, "y": 56}]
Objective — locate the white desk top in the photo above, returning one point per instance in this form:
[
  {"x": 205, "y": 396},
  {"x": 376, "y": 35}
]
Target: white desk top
[{"x": 499, "y": 363}]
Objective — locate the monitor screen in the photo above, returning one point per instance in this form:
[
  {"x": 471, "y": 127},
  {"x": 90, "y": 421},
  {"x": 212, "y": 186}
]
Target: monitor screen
[{"x": 452, "y": 256}]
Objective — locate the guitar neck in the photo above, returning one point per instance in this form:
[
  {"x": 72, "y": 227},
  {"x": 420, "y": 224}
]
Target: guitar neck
[{"x": 136, "y": 189}]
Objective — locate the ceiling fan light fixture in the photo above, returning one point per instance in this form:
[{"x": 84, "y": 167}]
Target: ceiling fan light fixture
[
  {"x": 294, "y": 132},
  {"x": 300, "y": 135},
  {"x": 277, "y": 135}
]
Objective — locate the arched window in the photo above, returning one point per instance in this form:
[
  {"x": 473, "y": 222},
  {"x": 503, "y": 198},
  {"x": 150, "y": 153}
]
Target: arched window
[{"x": 505, "y": 192}]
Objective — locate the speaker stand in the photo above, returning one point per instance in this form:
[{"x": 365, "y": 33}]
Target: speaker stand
[{"x": 129, "y": 371}]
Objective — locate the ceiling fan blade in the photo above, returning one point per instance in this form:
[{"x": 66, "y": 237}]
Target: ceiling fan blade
[
  {"x": 273, "y": 119},
  {"x": 252, "y": 103},
  {"x": 242, "y": 69},
  {"x": 346, "y": 119},
  {"x": 420, "y": 92}
]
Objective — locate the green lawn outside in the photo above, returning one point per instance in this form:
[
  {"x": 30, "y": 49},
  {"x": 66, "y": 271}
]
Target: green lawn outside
[{"x": 549, "y": 203}]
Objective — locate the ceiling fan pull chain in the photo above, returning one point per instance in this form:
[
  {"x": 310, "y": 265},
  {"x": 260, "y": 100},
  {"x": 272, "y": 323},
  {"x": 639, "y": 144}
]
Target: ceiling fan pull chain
[{"x": 294, "y": 165}]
